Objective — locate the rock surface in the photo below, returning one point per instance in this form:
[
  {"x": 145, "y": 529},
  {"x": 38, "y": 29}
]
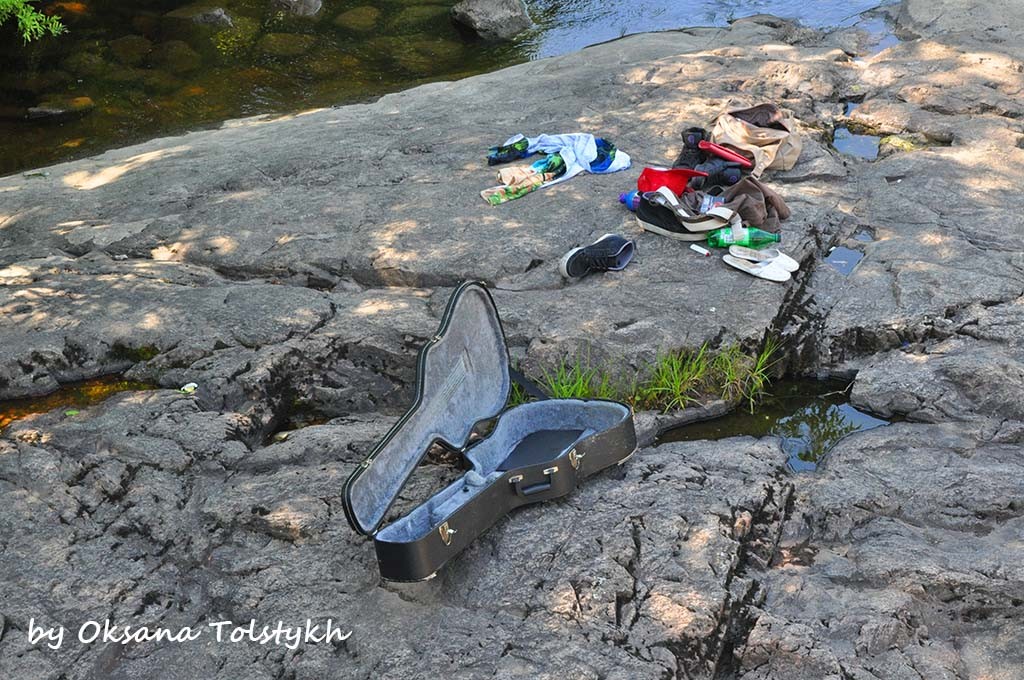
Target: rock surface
[
  {"x": 299, "y": 262},
  {"x": 492, "y": 19}
]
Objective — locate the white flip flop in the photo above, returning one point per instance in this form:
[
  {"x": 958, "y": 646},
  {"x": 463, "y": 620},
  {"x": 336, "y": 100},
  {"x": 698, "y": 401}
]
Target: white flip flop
[
  {"x": 765, "y": 255},
  {"x": 769, "y": 270}
]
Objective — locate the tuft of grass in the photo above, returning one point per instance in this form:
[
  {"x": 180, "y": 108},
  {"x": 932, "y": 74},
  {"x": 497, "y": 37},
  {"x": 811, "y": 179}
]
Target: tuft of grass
[
  {"x": 756, "y": 384},
  {"x": 730, "y": 368},
  {"x": 569, "y": 381},
  {"x": 604, "y": 387},
  {"x": 517, "y": 396},
  {"x": 675, "y": 380}
]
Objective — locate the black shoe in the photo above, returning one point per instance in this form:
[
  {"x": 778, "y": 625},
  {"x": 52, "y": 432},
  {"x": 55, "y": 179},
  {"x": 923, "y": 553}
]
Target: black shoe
[
  {"x": 691, "y": 156},
  {"x": 653, "y": 215},
  {"x": 611, "y": 252}
]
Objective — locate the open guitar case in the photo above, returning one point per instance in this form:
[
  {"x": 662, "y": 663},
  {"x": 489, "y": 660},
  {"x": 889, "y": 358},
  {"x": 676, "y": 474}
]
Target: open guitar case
[{"x": 534, "y": 452}]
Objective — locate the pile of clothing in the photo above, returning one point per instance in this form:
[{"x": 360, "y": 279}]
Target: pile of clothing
[
  {"x": 562, "y": 158},
  {"x": 711, "y": 193},
  {"x": 713, "y": 190}
]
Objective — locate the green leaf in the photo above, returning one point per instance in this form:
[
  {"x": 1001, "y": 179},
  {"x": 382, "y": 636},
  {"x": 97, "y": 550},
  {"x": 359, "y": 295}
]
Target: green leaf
[{"x": 32, "y": 24}]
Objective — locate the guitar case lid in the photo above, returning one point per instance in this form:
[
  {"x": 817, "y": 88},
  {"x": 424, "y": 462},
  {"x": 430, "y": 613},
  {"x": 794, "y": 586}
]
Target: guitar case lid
[{"x": 462, "y": 377}]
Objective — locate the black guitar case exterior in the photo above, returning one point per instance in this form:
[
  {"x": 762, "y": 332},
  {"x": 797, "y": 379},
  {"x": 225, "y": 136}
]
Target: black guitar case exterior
[{"x": 535, "y": 451}]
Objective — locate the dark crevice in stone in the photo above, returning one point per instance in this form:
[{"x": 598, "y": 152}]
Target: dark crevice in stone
[{"x": 759, "y": 533}]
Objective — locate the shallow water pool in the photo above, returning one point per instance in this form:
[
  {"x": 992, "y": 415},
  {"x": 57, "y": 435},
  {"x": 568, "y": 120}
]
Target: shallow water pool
[
  {"x": 808, "y": 416},
  {"x": 71, "y": 397}
]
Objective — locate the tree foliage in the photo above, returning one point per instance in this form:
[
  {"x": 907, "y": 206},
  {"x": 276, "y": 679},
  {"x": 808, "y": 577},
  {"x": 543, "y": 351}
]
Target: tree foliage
[{"x": 32, "y": 24}]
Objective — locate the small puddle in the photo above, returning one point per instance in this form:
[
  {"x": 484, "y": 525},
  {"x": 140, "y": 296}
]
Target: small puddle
[
  {"x": 880, "y": 35},
  {"x": 844, "y": 259},
  {"x": 71, "y": 397},
  {"x": 809, "y": 416},
  {"x": 864, "y": 236},
  {"x": 860, "y": 146}
]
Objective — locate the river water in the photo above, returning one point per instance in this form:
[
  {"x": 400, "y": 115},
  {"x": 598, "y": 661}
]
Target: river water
[{"x": 128, "y": 71}]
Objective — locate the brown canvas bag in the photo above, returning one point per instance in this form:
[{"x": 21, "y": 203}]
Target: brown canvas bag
[{"x": 764, "y": 133}]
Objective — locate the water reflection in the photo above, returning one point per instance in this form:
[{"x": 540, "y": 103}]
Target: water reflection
[
  {"x": 844, "y": 260},
  {"x": 566, "y": 25},
  {"x": 861, "y": 146},
  {"x": 813, "y": 430},
  {"x": 809, "y": 416}
]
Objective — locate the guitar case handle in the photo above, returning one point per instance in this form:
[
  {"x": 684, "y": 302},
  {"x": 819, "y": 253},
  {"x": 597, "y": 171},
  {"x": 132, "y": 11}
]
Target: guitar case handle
[{"x": 526, "y": 491}]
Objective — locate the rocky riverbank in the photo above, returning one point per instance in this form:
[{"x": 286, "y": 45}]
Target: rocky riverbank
[{"x": 301, "y": 260}]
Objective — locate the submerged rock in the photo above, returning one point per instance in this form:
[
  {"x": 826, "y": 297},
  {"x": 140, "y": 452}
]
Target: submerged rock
[
  {"x": 203, "y": 12},
  {"x": 419, "y": 56},
  {"x": 125, "y": 74},
  {"x": 176, "y": 56},
  {"x": 413, "y": 19},
  {"x": 286, "y": 44},
  {"x": 85, "y": 64},
  {"x": 362, "y": 19},
  {"x": 160, "y": 82},
  {"x": 493, "y": 19},
  {"x": 237, "y": 38},
  {"x": 131, "y": 49},
  {"x": 198, "y": 23},
  {"x": 61, "y": 107},
  {"x": 329, "y": 62}
]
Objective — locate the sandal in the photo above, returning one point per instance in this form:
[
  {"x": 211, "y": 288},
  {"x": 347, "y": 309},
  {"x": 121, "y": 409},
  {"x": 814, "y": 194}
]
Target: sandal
[
  {"x": 765, "y": 255},
  {"x": 770, "y": 270}
]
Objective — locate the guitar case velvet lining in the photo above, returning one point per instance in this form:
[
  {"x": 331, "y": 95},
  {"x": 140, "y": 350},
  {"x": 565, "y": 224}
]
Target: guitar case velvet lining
[{"x": 536, "y": 451}]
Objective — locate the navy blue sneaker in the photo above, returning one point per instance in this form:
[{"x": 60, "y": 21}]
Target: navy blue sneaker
[{"x": 611, "y": 252}]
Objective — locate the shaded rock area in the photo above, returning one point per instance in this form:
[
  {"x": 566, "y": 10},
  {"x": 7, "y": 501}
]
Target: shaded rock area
[{"x": 295, "y": 264}]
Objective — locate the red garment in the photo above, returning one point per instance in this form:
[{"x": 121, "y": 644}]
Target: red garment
[{"x": 676, "y": 179}]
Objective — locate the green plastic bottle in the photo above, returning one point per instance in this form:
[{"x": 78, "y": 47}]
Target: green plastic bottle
[{"x": 746, "y": 236}]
